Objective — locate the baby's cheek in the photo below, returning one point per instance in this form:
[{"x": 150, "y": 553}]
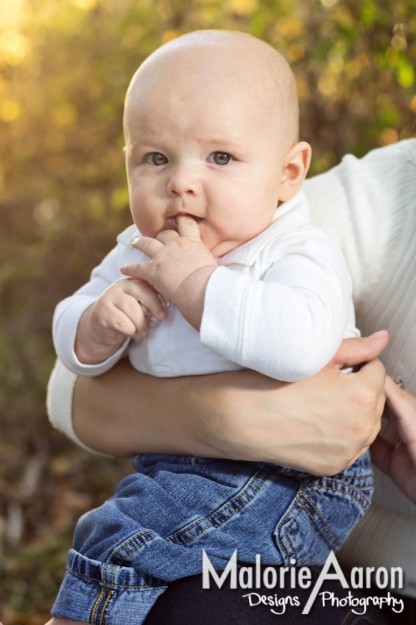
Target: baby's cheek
[
  {"x": 208, "y": 237},
  {"x": 146, "y": 222}
]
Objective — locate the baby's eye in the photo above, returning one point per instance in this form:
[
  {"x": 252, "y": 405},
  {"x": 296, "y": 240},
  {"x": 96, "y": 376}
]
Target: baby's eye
[
  {"x": 221, "y": 158},
  {"x": 156, "y": 158}
]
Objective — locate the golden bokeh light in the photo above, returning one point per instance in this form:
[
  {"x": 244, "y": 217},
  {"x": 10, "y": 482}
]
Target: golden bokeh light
[
  {"x": 243, "y": 7},
  {"x": 10, "y": 110},
  {"x": 85, "y": 5}
]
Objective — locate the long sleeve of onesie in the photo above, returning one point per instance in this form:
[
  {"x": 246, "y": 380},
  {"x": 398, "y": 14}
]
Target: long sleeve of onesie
[
  {"x": 289, "y": 324},
  {"x": 70, "y": 310}
]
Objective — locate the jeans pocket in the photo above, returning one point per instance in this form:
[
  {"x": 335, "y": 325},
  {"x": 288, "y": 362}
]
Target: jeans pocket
[{"x": 320, "y": 518}]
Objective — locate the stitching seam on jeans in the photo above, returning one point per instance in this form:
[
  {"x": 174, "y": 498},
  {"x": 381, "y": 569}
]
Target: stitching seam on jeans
[
  {"x": 110, "y": 592},
  {"x": 96, "y": 604},
  {"x": 109, "y": 585},
  {"x": 212, "y": 521},
  {"x": 355, "y": 494},
  {"x": 315, "y": 520},
  {"x": 124, "y": 545},
  {"x": 293, "y": 511}
]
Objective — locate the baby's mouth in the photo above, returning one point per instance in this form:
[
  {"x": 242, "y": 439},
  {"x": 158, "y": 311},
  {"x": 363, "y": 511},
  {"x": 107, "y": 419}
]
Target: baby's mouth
[{"x": 172, "y": 221}]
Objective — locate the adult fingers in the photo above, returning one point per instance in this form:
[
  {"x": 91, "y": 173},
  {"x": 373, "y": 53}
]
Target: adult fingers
[
  {"x": 371, "y": 397},
  {"x": 397, "y": 396},
  {"x": 355, "y": 351},
  {"x": 402, "y": 406},
  {"x": 381, "y": 453}
]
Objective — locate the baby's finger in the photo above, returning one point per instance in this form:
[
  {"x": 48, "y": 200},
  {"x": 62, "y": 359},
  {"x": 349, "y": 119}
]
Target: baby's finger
[
  {"x": 188, "y": 227},
  {"x": 167, "y": 235},
  {"x": 137, "y": 271},
  {"x": 148, "y": 298},
  {"x": 133, "y": 292},
  {"x": 119, "y": 321},
  {"x": 147, "y": 245},
  {"x": 132, "y": 309}
]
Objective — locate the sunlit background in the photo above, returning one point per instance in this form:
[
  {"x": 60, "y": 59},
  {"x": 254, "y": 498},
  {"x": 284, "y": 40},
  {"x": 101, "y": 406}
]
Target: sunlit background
[{"x": 64, "y": 68}]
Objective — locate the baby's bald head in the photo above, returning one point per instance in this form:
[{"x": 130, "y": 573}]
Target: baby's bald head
[{"x": 210, "y": 62}]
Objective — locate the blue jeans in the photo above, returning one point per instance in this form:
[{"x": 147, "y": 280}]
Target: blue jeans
[{"x": 154, "y": 528}]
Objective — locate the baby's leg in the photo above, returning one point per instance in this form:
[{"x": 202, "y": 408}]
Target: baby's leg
[{"x": 64, "y": 621}]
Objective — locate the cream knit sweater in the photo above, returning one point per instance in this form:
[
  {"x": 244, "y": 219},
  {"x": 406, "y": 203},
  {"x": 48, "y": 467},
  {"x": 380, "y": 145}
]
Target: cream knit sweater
[{"x": 368, "y": 206}]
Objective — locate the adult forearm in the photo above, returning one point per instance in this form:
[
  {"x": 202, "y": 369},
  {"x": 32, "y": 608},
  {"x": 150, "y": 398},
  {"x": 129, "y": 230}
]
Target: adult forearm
[
  {"x": 124, "y": 412},
  {"x": 319, "y": 425}
]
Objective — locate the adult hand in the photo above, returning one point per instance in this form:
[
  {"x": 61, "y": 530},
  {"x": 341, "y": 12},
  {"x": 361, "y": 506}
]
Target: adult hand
[
  {"x": 399, "y": 460},
  {"x": 354, "y": 352},
  {"x": 321, "y": 424}
]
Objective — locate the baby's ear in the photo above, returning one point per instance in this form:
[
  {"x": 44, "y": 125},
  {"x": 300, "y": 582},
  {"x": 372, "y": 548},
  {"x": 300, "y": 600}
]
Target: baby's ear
[{"x": 295, "y": 168}]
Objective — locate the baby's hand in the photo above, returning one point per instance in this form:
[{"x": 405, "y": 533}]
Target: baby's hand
[
  {"x": 179, "y": 267},
  {"x": 122, "y": 311}
]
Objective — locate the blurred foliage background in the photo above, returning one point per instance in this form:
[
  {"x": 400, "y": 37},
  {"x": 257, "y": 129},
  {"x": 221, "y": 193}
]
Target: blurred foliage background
[{"x": 64, "y": 69}]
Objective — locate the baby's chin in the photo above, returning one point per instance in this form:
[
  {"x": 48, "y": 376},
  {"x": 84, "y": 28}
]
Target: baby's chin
[{"x": 220, "y": 248}]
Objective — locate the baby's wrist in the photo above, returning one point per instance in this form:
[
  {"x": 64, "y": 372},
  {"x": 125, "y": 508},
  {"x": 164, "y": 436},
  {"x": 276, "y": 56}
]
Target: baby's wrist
[
  {"x": 191, "y": 295},
  {"x": 93, "y": 353},
  {"x": 92, "y": 347}
]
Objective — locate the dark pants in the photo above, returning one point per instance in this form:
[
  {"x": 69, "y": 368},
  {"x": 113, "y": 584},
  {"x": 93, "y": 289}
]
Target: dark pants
[{"x": 186, "y": 602}]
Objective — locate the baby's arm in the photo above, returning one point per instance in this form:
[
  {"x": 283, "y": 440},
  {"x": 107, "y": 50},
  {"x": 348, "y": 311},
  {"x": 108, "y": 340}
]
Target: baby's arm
[
  {"x": 303, "y": 301},
  {"x": 91, "y": 328},
  {"x": 288, "y": 325},
  {"x": 119, "y": 313}
]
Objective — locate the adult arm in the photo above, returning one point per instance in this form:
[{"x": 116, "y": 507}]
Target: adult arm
[{"x": 321, "y": 424}]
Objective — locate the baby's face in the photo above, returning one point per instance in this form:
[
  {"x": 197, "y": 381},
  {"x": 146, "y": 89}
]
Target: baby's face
[{"x": 205, "y": 148}]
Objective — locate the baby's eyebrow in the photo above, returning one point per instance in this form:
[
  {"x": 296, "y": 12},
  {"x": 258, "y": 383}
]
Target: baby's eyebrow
[
  {"x": 220, "y": 141},
  {"x": 144, "y": 145}
]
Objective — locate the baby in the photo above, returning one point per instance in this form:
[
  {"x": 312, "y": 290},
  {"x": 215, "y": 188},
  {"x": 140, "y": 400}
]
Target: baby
[{"x": 221, "y": 270}]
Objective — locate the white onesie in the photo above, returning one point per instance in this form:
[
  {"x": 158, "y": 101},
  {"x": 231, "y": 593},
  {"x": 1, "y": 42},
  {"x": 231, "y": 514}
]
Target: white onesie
[{"x": 280, "y": 304}]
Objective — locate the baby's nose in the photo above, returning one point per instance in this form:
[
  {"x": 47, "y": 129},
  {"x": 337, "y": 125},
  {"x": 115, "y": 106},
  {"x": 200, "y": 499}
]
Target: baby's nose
[{"x": 183, "y": 181}]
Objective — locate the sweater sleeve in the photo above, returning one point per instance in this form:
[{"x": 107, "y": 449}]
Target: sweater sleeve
[
  {"x": 59, "y": 403},
  {"x": 289, "y": 324},
  {"x": 70, "y": 310}
]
